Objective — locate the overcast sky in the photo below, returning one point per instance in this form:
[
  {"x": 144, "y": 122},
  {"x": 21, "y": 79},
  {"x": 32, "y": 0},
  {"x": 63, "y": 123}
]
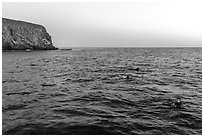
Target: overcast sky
[{"x": 113, "y": 24}]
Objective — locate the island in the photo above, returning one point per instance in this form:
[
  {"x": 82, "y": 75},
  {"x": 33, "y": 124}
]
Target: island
[{"x": 20, "y": 35}]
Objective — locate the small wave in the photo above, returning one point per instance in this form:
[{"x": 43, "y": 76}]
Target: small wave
[
  {"x": 14, "y": 107},
  {"x": 48, "y": 84},
  {"x": 61, "y": 129},
  {"x": 83, "y": 80},
  {"x": 11, "y": 80},
  {"x": 33, "y": 64},
  {"x": 20, "y": 93}
]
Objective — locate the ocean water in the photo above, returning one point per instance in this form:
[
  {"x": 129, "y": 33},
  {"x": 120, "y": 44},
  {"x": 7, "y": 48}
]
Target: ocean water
[{"x": 86, "y": 91}]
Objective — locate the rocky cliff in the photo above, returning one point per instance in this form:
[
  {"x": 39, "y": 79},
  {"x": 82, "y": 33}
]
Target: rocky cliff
[{"x": 19, "y": 35}]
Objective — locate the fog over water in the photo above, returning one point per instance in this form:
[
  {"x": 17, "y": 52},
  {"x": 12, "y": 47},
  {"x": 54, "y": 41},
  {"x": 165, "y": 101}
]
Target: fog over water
[{"x": 114, "y": 24}]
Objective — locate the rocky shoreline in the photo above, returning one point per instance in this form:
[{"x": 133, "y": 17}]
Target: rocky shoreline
[{"x": 20, "y": 35}]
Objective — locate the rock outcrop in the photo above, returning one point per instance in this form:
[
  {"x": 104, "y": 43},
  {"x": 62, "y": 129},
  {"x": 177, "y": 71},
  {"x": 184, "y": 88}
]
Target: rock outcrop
[{"x": 20, "y": 35}]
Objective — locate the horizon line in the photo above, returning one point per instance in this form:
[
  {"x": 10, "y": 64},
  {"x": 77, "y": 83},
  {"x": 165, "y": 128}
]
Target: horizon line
[{"x": 197, "y": 46}]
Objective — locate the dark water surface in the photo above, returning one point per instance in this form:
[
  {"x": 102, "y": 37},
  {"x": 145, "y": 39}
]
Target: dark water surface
[{"x": 86, "y": 91}]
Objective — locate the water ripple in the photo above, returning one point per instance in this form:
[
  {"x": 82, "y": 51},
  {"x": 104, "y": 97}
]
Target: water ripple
[{"x": 112, "y": 91}]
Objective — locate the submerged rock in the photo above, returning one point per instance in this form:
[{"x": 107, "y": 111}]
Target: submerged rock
[{"x": 20, "y": 35}]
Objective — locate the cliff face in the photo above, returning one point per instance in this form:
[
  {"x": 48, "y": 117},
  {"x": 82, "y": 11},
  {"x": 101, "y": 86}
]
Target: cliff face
[{"x": 19, "y": 35}]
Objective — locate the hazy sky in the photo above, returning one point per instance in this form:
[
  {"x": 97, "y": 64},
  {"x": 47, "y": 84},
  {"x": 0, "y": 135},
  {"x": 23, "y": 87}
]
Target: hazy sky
[{"x": 113, "y": 24}]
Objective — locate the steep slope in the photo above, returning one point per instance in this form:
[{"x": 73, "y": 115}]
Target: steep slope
[{"x": 20, "y": 35}]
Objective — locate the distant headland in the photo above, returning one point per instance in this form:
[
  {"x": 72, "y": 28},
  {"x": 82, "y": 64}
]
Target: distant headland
[{"x": 20, "y": 35}]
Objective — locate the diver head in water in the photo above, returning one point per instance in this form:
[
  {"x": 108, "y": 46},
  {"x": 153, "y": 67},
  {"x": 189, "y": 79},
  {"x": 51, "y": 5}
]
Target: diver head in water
[{"x": 178, "y": 103}]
